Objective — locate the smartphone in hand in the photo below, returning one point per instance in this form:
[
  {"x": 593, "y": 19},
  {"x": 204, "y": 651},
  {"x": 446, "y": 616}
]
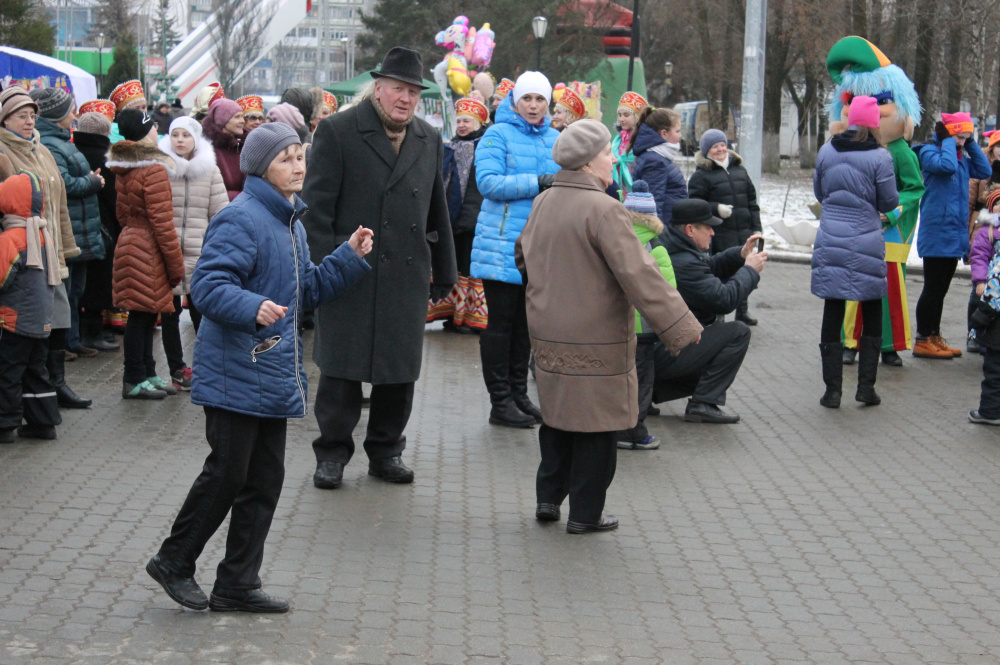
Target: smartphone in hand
[{"x": 760, "y": 244}]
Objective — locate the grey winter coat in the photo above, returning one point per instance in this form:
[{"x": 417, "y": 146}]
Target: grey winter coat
[
  {"x": 198, "y": 195},
  {"x": 854, "y": 181},
  {"x": 374, "y": 332}
]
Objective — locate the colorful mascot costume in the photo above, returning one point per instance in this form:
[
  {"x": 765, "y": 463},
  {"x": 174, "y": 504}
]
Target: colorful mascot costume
[{"x": 858, "y": 67}]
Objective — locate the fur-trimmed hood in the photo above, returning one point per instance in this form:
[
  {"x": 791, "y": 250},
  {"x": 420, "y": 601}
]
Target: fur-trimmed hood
[
  {"x": 647, "y": 221},
  {"x": 127, "y": 155},
  {"x": 200, "y": 165},
  {"x": 702, "y": 162}
]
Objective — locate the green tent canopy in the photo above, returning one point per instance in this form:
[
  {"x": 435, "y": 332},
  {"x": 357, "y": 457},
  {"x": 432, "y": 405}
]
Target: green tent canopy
[{"x": 350, "y": 87}]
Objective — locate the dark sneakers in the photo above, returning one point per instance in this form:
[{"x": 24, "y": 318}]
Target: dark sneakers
[
  {"x": 183, "y": 590},
  {"x": 246, "y": 600},
  {"x": 977, "y": 418},
  {"x": 390, "y": 469},
  {"x": 329, "y": 475},
  {"x": 607, "y": 523},
  {"x": 547, "y": 512},
  {"x": 699, "y": 412}
]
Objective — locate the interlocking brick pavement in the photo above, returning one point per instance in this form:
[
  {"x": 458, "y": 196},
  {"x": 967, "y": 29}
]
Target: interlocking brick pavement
[{"x": 799, "y": 536}]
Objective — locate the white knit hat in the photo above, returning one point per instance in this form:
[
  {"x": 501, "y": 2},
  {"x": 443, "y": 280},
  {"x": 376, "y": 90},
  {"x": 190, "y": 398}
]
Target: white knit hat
[
  {"x": 532, "y": 82},
  {"x": 188, "y": 124}
]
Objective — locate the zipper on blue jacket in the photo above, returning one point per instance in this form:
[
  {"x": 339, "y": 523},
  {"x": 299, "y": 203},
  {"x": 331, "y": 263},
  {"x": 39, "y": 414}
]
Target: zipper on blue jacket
[
  {"x": 295, "y": 314},
  {"x": 504, "y": 220}
]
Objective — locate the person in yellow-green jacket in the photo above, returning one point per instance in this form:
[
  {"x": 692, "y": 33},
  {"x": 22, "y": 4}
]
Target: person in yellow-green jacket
[{"x": 647, "y": 226}]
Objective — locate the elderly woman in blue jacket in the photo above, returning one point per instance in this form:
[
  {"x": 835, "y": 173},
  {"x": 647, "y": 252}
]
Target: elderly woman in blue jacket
[
  {"x": 947, "y": 163},
  {"x": 251, "y": 284},
  {"x": 513, "y": 164},
  {"x": 856, "y": 183}
]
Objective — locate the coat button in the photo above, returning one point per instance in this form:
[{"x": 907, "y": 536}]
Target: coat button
[
  {"x": 385, "y": 258},
  {"x": 416, "y": 191},
  {"x": 386, "y": 223},
  {"x": 413, "y": 227},
  {"x": 409, "y": 260}
]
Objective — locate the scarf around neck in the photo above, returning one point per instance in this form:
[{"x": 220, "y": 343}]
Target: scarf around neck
[
  {"x": 395, "y": 130},
  {"x": 626, "y": 140},
  {"x": 34, "y": 226},
  {"x": 723, "y": 163},
  {"x": 668, "y": 150}
]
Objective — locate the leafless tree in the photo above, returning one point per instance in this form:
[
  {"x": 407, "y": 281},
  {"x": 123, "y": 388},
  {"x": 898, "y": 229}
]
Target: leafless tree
[
  {"x": 241, "y": 27},
  {"x": 285, "y": 58}
]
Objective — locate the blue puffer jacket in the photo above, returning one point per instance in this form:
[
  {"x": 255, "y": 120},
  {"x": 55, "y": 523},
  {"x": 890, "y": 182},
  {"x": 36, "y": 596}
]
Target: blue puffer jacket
[
  {"x": 666, "y": 182},
  {"x": 510, "y": 157},
  {"x": 944, "y": 210},
  {"x": 81, "y": 190},
  {"x": 255, "y": 250},
  {"x": 855, "y": 181}
]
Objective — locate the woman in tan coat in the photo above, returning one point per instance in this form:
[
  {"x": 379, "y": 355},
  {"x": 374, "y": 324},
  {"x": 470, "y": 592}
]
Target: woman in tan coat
[
  {"x": 22, "y": 145},
  {"x": 578, "y": 247},
  {"x": 148, "y": 260}
]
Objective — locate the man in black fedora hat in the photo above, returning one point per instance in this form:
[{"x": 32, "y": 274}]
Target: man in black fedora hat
[
  {"x": 378, "y": 165},
  {"x": 711, "y": 286}
]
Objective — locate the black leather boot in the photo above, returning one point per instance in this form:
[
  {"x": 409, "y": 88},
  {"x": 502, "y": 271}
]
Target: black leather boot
[
  {"x": 494, "y": 351},
  {"x": 832, "y": 354},
  {"x": 519, "y": 379},
  {"x": 869, "y": 351},
  {"x": 57, "y": 374},
  {"x": 743, "y": 314}
]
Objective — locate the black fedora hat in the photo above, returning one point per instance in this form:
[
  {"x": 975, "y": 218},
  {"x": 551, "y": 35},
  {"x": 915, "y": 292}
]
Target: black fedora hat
[
  {"x": 402, "y": 64},
  {"x": 693, "y": 211}
]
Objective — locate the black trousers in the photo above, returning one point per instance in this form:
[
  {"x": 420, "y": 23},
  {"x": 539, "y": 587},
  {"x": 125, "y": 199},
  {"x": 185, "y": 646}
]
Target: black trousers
[
  {"x": 833, "y": 319},
  {"x": 938, "y": 273},
  {"x": 25, "y": 389},
  {"x": 138, "y": 346},
  {"x": 244, "y": 472},
  {"x": 703, "y": 371},
  {"x": 580, "y": 465},
  {"x": 505, "y": 346},
  {"x": 170, "y": 330},
  {"x": 338, "y": 410},
  {"x": 989, "y": 398},
  {"x": 645, "y": 369}
]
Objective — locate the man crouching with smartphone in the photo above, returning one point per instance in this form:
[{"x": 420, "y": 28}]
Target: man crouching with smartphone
[{"x": 712, "y": 286}]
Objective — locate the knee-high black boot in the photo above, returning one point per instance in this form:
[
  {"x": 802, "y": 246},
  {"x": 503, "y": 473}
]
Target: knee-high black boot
[
  {"x": 519, "y": 379},
  {"x": 494, "y": 350},
  {"x": 57, "y": 373},
  {"x": 869, "y": 349},
  {"x": 832, "y": 354}
]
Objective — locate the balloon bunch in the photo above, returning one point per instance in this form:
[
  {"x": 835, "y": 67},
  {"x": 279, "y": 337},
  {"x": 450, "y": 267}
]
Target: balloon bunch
[{"x": 466, "y": 45}]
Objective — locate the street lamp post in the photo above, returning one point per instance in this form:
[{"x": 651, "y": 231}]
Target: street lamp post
[
  {"x": 100, "y": 62},
  {"x": 539, "y": 25},
  {"x": 634, "y": 49},
  {"x": 344, "y": 41}
]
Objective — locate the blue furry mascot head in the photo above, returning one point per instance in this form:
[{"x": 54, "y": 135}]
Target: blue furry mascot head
[{"x": 858, "y": 67}]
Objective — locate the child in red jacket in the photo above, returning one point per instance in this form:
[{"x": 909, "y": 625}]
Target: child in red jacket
[{"x": 29, "y": 272}]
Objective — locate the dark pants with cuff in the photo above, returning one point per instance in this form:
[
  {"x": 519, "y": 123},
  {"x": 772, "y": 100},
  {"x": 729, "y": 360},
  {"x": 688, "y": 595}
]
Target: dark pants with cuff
[
  {"x": 989, "y": 398},
  {"x": 645, "y": 369},
  {"x": 138, "y": 347},
  {"x": 243, "y": 473},
  {"x": 170, "y": 330},
  {"x": 580, "y": 465},
  {"x": 25, "y": 389},
  {"x": 702, "y": 371},
  {"x": 338, "y": 410}
]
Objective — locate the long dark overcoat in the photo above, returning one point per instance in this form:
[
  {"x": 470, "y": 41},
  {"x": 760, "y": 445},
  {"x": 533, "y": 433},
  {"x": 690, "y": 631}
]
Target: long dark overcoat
[{"x": 374, "y": 331}]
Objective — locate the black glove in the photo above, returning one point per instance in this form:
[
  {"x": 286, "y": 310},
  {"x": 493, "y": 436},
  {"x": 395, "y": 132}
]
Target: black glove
[
  {"x": 440, "y": 291},
  {"x": 941, "y": 132},
  {"x": 968, "y": 142},
  {"x": 545, "y": 181}
]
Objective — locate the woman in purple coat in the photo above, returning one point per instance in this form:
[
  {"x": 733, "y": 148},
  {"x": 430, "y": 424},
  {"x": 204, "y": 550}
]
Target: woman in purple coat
[{"x": 855, "y": 182}]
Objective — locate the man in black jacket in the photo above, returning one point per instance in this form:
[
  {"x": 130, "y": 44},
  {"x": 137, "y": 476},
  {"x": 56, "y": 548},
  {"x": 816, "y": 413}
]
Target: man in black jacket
[{"x": 712, "y": 286}]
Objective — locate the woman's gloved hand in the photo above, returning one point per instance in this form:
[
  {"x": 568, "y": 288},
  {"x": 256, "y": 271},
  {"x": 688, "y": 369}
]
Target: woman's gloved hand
[
  {"x": 545, "y": 181},
  {"x": 940, "y": 131},
  {"x": 725, "y": 210}
]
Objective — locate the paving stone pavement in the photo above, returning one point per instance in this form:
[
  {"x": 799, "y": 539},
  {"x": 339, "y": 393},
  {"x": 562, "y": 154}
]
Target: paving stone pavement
[{"x": 798, "y": 536}]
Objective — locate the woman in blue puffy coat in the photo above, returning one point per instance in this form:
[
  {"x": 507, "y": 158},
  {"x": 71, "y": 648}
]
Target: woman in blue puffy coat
[
  {"x": 251, "y": 284},
  {"x": 513, "y": 164},
  {"x": 856, "y": 183}
]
